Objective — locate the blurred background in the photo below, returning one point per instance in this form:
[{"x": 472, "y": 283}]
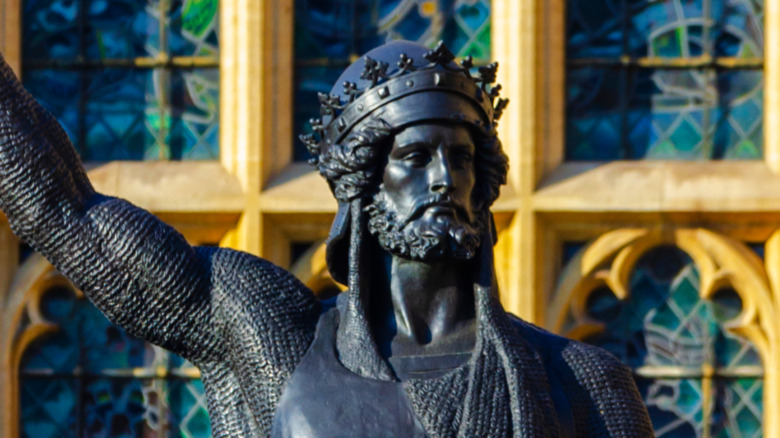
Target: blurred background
[{"x": 641, "y": 212}]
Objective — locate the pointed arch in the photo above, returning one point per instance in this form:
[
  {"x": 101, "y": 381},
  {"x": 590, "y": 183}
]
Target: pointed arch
[{"x": 722, "y": 262}]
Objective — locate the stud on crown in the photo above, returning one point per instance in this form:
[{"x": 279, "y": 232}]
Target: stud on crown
[{"x": 340, "y": 113}]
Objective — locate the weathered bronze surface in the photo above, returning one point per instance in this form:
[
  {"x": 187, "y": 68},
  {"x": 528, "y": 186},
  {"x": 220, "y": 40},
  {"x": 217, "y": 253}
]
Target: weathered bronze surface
[{"x": 418, "y": 346}]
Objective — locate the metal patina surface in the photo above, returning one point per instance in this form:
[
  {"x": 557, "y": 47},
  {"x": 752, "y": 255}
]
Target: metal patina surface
[{"x": 418, "y": 346}]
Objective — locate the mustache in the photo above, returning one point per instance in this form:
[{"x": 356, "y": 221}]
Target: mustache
[{"x": 436, "y": 200}]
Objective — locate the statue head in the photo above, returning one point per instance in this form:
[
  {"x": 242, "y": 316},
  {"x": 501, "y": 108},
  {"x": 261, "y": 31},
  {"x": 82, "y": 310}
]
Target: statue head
[{"x": 417, "y": 142}]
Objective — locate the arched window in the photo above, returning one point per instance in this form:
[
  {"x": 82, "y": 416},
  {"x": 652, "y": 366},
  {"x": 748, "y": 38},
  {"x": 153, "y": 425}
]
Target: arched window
[
  {"x": 87, "y": 377},
  {"x": 696, "y": 377},
  {"x": 683, "y": 309}
]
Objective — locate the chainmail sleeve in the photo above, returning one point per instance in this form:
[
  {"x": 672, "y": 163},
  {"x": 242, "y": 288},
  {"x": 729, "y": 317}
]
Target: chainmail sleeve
[{"x": 139, "y": 271}]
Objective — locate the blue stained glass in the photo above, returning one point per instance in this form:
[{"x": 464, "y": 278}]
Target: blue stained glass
[
  {"x": 117, "y": 103},
  {"x": 114, "y": 408},
  {"x": 593, "y": 127},
  {"x": 194, "y": 28},
  {"x": 739, "y": 116},
  {"x": 50, "y": 29},
  {"x": 738, "y": 28},
  {"x": 669, "y": 28},
  {"x": 121, "y": 29},
  {"x": 324, "y": 29},
  {"x": 110, "y": 406},
  {"x": 194, "y": 132},
  {"x": 672, "y": 114},
  {"x": 60, "y": 93},
  {"x": 85, "y": 340},
  {"x": 310, "y": 80},
  {"x": 594, "y": 29},
  {"x": 48, "y": 407},
  {"x": 665, "y": 323},
  {"x": 675, "y": 406}
]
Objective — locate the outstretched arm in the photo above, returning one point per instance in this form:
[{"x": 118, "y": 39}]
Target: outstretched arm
[{"x": 140, "y": 272}]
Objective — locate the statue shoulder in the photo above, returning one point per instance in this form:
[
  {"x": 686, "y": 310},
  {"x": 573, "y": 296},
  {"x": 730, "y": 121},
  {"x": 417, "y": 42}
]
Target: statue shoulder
[
  {"x": 258, "y": 284},
  {"x": 600, "y": 388},
  {"x": 550, "y": 346}
]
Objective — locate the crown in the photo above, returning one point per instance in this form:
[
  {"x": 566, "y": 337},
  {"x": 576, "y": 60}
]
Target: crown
[{"x": 339, "y": 114}]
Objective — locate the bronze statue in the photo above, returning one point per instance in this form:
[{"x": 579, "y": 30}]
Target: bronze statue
[{"x": 418, "y": 346}]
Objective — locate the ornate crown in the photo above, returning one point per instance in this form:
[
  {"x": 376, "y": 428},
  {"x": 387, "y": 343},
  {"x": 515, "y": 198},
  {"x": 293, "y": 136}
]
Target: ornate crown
[{"x": 340, "y": 115}]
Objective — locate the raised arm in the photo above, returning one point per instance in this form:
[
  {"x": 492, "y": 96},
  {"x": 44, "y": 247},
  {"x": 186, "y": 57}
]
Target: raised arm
[{"x": 139, "y": 271}]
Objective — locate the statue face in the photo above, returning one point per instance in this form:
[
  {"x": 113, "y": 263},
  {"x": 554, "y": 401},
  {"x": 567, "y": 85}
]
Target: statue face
[
  {"x": 424, "y": 208},
  {"x": 429, "y": 175}
]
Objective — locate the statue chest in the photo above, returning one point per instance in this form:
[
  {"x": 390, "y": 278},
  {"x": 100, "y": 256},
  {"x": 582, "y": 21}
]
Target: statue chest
[{"x": 324, "y": 399}]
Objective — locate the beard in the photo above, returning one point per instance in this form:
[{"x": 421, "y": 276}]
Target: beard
[{"x": 419, "y": 239}]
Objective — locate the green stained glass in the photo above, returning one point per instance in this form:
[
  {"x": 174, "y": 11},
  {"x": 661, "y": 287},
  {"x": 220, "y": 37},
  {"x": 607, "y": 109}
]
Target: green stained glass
[
  {"x": 738, "y": 410},
  {"x": 194, "y": 130},
  {"x": 188, "y": 408},
  {"x": 194, "y": 28}
]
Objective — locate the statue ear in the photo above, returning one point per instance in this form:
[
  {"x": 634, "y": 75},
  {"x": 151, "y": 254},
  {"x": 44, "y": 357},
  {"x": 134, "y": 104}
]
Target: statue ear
[{"x": 337, "y": 245}]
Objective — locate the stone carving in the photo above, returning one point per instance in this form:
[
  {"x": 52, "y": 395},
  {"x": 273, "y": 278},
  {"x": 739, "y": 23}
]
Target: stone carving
[{"x": 418, "y": 346}]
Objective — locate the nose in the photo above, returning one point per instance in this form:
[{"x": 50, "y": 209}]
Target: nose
[{"x": 440, "y": 175}]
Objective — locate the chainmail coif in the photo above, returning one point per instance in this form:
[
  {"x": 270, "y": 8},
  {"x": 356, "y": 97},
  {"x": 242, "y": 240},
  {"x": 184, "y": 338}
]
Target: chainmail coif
[{"x": 247, "y": 323}]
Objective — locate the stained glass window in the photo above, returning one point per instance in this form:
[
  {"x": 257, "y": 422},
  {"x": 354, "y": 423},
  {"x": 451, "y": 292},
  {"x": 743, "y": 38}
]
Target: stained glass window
[
  {"x": 128, "y": 79},
  {"x": 331, "y": 34},
  {"x": 697, "y": 378},
  {"x": 667, "y": 79},
  {"x": 91, "y": 379}
]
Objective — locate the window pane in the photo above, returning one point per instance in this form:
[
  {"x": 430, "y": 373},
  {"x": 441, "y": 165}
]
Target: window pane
[
  {"x": 594, "y": 28},
  {"x": 593, "y": 126},
  {"x": 189, "y": 413},
  {"x": 119, "y": 29},
  {"x": 680, "y": 110},
  {"x": 675, "y": 406},
  {"x": 139, "y": 108},
  {"x": 50, "y": 29},
  {"x": 194, "y": 115},
  {"x": 79, "y": 378},
  {"x": 122, "y": 115},
  {"x": 671, "y": 114},
  {"x": 739, "y": 407},
  {"x": 194, "y": 28},
  {"x": 114, "y": 408},
  {"x": 48, "y": 407},
  {"x": 60, "y": 93}
]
